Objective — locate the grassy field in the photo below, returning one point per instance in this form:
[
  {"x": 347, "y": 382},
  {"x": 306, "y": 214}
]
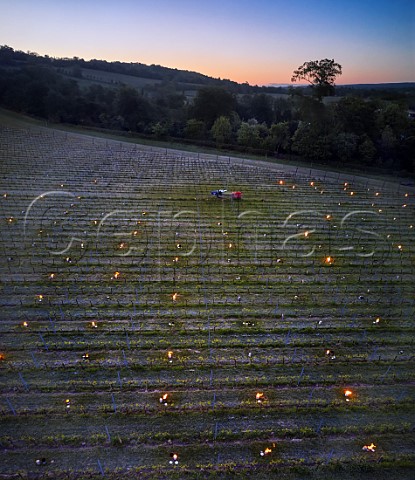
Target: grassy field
[{"x": 124, "y": 280}]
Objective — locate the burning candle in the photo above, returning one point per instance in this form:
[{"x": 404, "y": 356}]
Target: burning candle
[
  {"x": 174, "y": 459},
  {"x": 94, "y": 325},
  {"x": 116, "y": 275},
  {"x": 170, "y": 356},
  {"x": 267, "y": 451},
  {"x": 174, "y": 296},
  {"x": 259, "y": 397},
  {"x": 348, "y": 394},
  {"x": 369, "y": 448},
  {"x": 163, "y": 399}
]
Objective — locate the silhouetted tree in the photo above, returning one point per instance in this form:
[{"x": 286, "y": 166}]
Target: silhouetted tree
[{"x": 320, "y": 74}]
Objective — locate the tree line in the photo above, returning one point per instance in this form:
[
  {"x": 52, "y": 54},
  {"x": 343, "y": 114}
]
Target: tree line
[{"x": 361, "y": 131}]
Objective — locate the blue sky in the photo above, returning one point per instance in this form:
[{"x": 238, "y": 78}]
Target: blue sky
[{"x": 259, "y": 41}]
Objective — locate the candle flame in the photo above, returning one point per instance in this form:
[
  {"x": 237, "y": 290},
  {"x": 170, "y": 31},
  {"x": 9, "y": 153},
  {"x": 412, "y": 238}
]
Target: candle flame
[
  {"x": 163, "y": 399},
  {"x": 369, "y": 448},
  {"x": 174, "y": 296},
  {"x": 259, "y": 397},
  {"x": 267, "y": 451},
  {"x": 174, "y": 459},
  {"x": 347, "y": 394}
]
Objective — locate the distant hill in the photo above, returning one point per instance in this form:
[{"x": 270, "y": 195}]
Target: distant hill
[
  {"x": 142, "y": 76},
  {"x": 370, "y": 86},
  {"x": 102, "y": 71}
]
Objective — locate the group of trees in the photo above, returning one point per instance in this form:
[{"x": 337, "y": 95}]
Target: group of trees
[{"x": 355, "y": 130}]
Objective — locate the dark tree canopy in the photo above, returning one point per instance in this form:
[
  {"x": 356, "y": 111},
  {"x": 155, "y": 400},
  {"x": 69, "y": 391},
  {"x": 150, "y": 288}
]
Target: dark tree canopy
[
  {"x": 212, "y": 103},
  {"x": 320, "y": 74}
]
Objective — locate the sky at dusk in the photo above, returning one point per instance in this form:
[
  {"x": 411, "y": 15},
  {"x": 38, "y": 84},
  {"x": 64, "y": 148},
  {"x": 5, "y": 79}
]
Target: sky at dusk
[{"x": 257, "y": 41}]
